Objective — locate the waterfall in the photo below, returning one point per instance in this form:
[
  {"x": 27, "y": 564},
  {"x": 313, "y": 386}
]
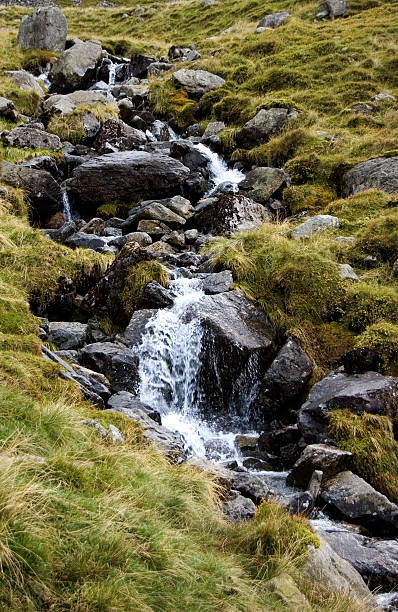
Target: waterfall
[
  {"x": 111, "y": 79},
  {"x": 43, "y": 78},
  {"x": 66, "y": 209},
  {"x": 219, "y": 171},
  {"x": 169, "y": 365}
]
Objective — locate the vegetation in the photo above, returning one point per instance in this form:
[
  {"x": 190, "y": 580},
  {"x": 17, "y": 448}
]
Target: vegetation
[
  {"x": 139, "y": 276},
  {"x": 70, "y": 126}
]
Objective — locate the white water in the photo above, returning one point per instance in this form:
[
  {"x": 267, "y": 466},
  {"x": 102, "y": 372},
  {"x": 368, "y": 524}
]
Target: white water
[
  {"x": 43, "y": 78},
  {"x": 66, "y": 209},
  {"x": 169, "y": 365},
  {"x": 111, "y": 80},
  {"x": 219, "y": 171}
]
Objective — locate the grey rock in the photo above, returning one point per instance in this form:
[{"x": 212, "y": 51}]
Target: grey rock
[
  {"x": 45, "y": 28},
  {"x": 141, "y": 238},
  {"x": 251, "y": 486},
  {"x": 197, "y": 82},
  {"x": 329, "y": 459},
  {"x": 153, "y": 211},
  {"x": 86, "y": 241},
  {"x": 30, "y": 138},
  {"x": 181, "y": 206},
  {"x": 265, "y": 125},
  {"x": 66, "y": 103},
  {"x": 117, "y": 362},
  {"x": 156, "y": 296},
  {"x": 238, "y": 508},
  {"x": 90, "y": 124},
  {"x": 213, "y": 128},
  {"x": 316, "y": 224},
  {"x": 67, "y": 335},
  {"x": 96, "y": 226},
  {"x": 222, "y": 475},
  {"x": 218, "y": 282},
  {"x": 7, "y": 109},
  {"x": 380, "y": 173},
  {"x": 157, "y": 68},
  {"x": 161, "y": 248},
  {"x": 193, "y": 234},
  {"x": 76, "y": 67},
  {"x": 107, "y": 431},
  {"x": 347, "y": 273},
  {"x": 301, "y": 502},
  {"x": 131, "y": 88},
  {"x": 160, "y": 131},
  {"x": 71, "y": 356},
  {"x": 360, "y": 360},
  {"x": 118, "y": 134},
  {"x": 272, "y": 21},
  {"x": 331, "y": 9},
  {"x": 350, "y": 497},
  {"x": 175, "y": 238},
  {"x": 231, "y": 213},
  {"x": 127, "y": 401},
  {"x": 139, "y": 65},
  {"x": 262, "y": 183},
  {"x": 25, "y": 81},
  {"x": 370, "y": 392},
  {"x": 135, "y": 329},
  {"x": 383, "y": 97},
  {"x": 64, "y": 232},
  {"x": 155, "y": 229}
]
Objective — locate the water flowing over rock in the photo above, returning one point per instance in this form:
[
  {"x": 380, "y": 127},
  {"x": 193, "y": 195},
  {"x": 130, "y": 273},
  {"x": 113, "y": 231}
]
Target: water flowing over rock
[
  {"x": 45, "y": 28},
  {"x": 381, "y": 173},
  {"x": 197, "y": 82},
  {"x": 76, "y": 67}
]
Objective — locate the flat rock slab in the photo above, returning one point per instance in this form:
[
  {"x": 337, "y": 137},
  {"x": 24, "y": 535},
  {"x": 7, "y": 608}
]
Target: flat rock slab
[{"x": 31, "y": 138}]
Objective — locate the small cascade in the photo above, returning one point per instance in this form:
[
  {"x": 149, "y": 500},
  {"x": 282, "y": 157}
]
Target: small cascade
[
  {"x": 150, "y": 136},
  {"x": 43, "y": 78},
  {"x": 173, "y": 135},
  {"x": 219, "y": 171},
  {"x": 111, "y": 80},
  {"x": 66, "y": 209}
]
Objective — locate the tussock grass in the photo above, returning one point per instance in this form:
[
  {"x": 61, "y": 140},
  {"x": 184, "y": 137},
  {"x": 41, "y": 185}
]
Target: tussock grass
[
  {"x": 139, "y": 276},
  {"x": 69, "y": 126}
]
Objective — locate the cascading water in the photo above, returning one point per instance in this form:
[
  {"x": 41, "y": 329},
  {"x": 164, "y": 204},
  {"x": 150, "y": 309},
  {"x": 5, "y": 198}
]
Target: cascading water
[
  {"x": 219, "y": 171},
  {"x": 66, "y": 206},
  {"x": 43, "y": 78},
  {"x": 169, "y": 364},
  {"x": 111, "y": 79}
]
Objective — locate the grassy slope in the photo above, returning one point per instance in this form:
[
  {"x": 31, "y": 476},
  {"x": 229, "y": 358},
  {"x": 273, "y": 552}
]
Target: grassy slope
[{"x": 87, "y": 526}]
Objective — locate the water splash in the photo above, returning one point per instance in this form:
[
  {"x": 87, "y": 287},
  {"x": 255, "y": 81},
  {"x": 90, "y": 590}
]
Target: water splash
[
  {"x": 66, "y": 206},
  {"x": 219, "y": 171},
  {"x": 43, "y": 78},
  {"x": 111, "y": 80}
]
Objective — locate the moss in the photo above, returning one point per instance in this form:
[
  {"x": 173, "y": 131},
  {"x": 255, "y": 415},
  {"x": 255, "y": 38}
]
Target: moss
[
  {"x": 113, "y": 209},
  {"x": 303, "y": 169},
  {"x": 366, "y": 305},
  {"x": 382, "y": 338},
  {"x": 370, "y": 439},
  {"x": 310, "y": 198},
  {"x": 37, "y": 60},
  {"x": 279, "y": 78},
  {"x": 69, "y": 126},
  {"x": 380, "y": 237},
  {"x": 27, "y": 101},
  {"x": 139, "y": 276},
  {"x": 356, "y": 211}
]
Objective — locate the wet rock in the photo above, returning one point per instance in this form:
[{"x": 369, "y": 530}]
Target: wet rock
[
  {"x": 30, "y": 138},
  {"x": 107, "y": 431},
  {"x": 370, "y": 392},
  {"x": 175, "y": 238},
  {"x": 45, "y": 28},
  {"x": 287, "y": 377},
  {"x": 272, "y": 21},
  {"x": 197, "y": 82},
  {"x": 285, "y": 442},
  {"x": 121, "y": 176},
  {"x": 119, "y": 402},
  {"x": 139, "y": 65},
  {"x": 7, "y": 109},
  {"x": 262, "y": 183},
  {"x": 361, "y": 360},
  {"x": 331, "y": 9},
  {"x": 231, "y": 213},
  {"x": 118, "y": 134},
  {"x": 156, "y": 296},
  {"x": 222, "y": 475},
  {"x": 301, "y": 502},
  {"x": 24, "y": 80},
  {"x": 135, "y": 328},
  {"x": 316, "y": 224},
  {"x": 66, "y": 103},
  {"x": 218, "y": 282},
  {"x": 323, "y": 566},
  {"x": 375, "y": 560},
  {"x": 251, "y": 486},
  {"x": 161, "y": 248},
  {"x": 160, "y": 131},
  {"x": 330, "y": 459},
  {"x": 45, "y": 195},
  {"x": 380, "y": 173},
  {"x": 350, "y": 497},
  {"x": 76, "y": 67},
  {"x": 238, "y": 508},
  {"x": 265, "y": 125},
  {"x": 86, "y": 241},
  {"x": 115, "y": 361},
  {"x": 67, "y": 335},
  {"x": 189, "y": 155}
]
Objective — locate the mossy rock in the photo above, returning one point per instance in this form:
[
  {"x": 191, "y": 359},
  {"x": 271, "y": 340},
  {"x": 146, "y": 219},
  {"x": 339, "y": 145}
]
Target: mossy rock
[
  {"x": 383, "y": 338},
  {"x": 367, "y": 305}
]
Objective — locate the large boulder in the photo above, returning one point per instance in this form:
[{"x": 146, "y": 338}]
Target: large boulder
[
  {"x": 117, "y": 362},
  {"x": 197, "y": 82},
  {"x": 45, "y": 28},
  {"x": 370, "y": 392},
  {"x": 76, "y": 67},
  {"x": 238, "y": 508},
  {"x": 331, "y": 9},
  {"x": 376, "y": 560},
  {"x": 31, "y": 138},
  {"x": 262, "y": 183},
  {"x": 45, "y": 195},
  {"x": 272, "y": 21},
  {"x": 351, "y": 498},
  {"x": 139, "y": 65},
  {"x": 380, "y": 173},
  {"x": 265, "y": 125},
  {"x": 66, "y": 103},
  {"x": 67, "y": 335},
  {"x": 123, "y": 176},
  {"x": 237, "y": 347},
  {"x": 25, "y": 81},
  {"x": 230, "y": 213},
  {"x": 329, "y": 459},
  {"x": 116, "y": 133}
]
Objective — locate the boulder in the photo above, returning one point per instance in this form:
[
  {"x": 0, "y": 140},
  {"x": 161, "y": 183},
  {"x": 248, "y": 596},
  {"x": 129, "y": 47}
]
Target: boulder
[
  {"x": 118, "y": 134},
  {"x": 26, "y": 137},
  {"x": 217, "y": 282},
  {"x": 237, "y": 508},
  {"x": 213, "y": 128},
  {"x": 96, "y": 226},
  {"x": 76, "y": 67},
  {"x": 197, "y": 82},
  {"x": 347, "y": 273},
  {"x": 67, "y": 335},
  {"x": 45, "y": 28},
  {"x": 7, "y": 109},
  {"x": 262, "y": 183},
  {"x": 351, "y": 498},
  {"x": 156, "y": 296},
  {"x": 66, "y": 103},
  {"x": 370, "y": 392},
  {"x": 380, "y": 173},
  {"x": 189, "y": 155},
  {"x": 375, "y": 560},
  {"x": 122, "y": 401},
  {"x": 81, "y": 240},
  {"x": 157, "y": 68},
  {"x": 329, "y": 459},
  {"x": 160, "y": 131},
  {"x": 135, "y": 328},
  {"x": 123, "y": 176},
  {"x": 181, "y": 206},
  {"x": 250, "y": 486},
  {"x": 287, "y": 377},
  {"x": 314, "y": 225},
  {"x": 117, "y": 362},
  {"x": 24, "y": 80},
  {"x": 187, "y": 54},
  {"x": 139, "y": 65},
  {"x": 272, "y": 21},
  {"x": 229, "y": 214},
  {"x": 154, "y": 211},
  {"x": 331, "y": 9},
  {"x": 285, "y": 442},
  {"x": 45, "y": 195},
  {"x": 324, "y": 567},
  {"x": 360, "y": 360},
  {"x": 222, "y": 475},
  {"x": 141, "y": 238},
  {"x": 265, "y": 125}
]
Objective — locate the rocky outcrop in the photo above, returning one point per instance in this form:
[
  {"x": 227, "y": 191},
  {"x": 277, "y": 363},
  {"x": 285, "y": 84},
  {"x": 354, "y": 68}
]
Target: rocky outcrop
[
  {"x": 380, "y": 173},
  {"x": 230, "y": 213},
  {"x": 45, "y": 195},
  {"x": 262, "y": 183},
  {"x": 76, "y": 67},
  {"x": 115, "y": 361},
  {"x": 45, "y": 28},
  {"x": 31, "y": 138},
  {"x": 125, "y": 176},
  {"x": 351, "y": 498},
  {"x": 265, "y": 125},
  {"x": 197, "y": 82},
  {"x": 272, "y": 21},
  {"x": 329, "y": 459},
  {"x": 314, "y": 225},
  {"x": 370, "y": 392}
]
